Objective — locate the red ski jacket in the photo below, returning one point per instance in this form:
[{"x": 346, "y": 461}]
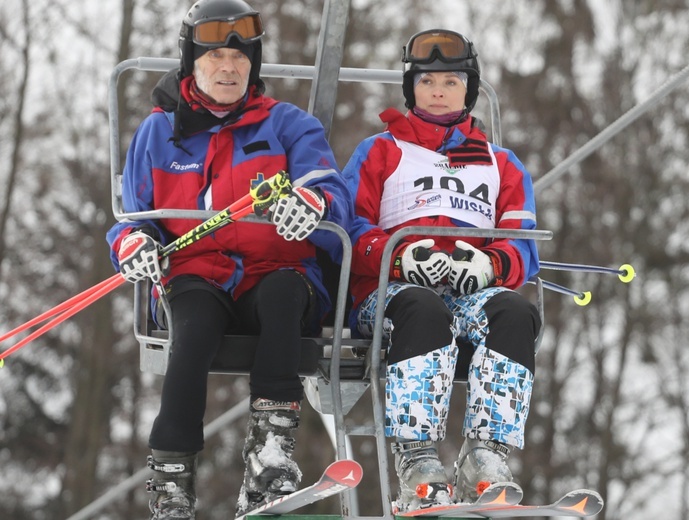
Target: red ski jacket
[
  {"x": 381, "y": 164},
  {"x": 212, "y": 165}
]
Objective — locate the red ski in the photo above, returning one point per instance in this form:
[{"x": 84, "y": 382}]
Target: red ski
[
  {"x": 339, "y": 476},
  {"x": 577, "y": 503},
  {"x": 496, "y": 495}
]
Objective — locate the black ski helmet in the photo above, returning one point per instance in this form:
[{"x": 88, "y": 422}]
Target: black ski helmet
[
  {"x": 213, "y": 24},
  {"x": 440, "y": 50}
]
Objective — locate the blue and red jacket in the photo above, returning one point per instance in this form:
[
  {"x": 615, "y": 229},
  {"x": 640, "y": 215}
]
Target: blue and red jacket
[
  {"x": 219, "y": 163},
  {"x": 378, "y": 157}
]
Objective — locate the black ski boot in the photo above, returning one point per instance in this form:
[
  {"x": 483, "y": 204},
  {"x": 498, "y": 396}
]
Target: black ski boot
[
  {"x": 172, "y": 486},
  {"x": 270, "y": 471}
]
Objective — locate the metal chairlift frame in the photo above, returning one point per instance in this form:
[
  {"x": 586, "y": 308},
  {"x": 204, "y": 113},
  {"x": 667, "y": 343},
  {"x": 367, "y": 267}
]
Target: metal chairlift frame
[{"x": 325, "y": 76}]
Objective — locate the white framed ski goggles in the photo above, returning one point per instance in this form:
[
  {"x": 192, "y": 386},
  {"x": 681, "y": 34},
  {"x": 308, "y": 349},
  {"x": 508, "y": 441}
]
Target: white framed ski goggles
[
  {"x": 428, "y": 46},
  {"x": 217, "y": 32}
]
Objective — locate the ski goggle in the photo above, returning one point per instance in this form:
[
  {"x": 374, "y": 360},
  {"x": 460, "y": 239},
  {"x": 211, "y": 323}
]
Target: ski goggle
[
  {"x": 428, "y": 46},
  {"x": 217, "y": 32}
]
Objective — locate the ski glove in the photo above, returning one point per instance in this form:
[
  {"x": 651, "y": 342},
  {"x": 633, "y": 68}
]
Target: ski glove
[
  {"x": 298, "y": 214},
  {"x": 470, "y": 269},
  {"x": 420, "y": 264},
  {"x": 138, "y": 257}
]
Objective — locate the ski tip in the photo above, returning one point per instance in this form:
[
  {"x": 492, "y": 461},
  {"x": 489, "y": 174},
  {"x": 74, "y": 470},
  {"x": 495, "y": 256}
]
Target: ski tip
[
  {"x": 583, "y": 502},
  {"x": 501, "y": 493},
  {"x": 2, "y": 362},
  {"x": 584, "y": 492},
  {"x": 346, "y": 472}
]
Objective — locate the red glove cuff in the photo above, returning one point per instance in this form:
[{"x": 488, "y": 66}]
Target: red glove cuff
[{"x": 501, "y": 265}]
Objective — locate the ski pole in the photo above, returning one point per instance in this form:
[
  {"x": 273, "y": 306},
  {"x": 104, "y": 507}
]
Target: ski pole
[
  {"x": 625, "y": 273},
  {"x": 114, "y": 282},
  {"x": 258, "y": 199},
  {"x": 238, "y": 213},
  {"x": 58, "y": 308},
  {"x": 580, "y": 298}
]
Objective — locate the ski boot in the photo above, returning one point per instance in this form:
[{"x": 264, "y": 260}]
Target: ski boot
[
  {"x": 270, "y": 471},
  {"x": 172, "y": 485},
  {"x": 480, "y": 464},
  {"x": 422, "y": 477}
]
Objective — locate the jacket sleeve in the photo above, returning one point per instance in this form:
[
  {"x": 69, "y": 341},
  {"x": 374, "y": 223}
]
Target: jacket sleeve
[
  {"x": 311, "y": 163},
  {"x": 137, "y": 190},
  {"x": 365, "y": 173},
  {"x": 514, "y": 260}
]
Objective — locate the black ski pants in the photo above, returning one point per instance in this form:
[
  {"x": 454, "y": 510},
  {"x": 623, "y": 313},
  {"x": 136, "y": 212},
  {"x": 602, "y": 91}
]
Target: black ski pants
[{"x": 278, "y": 309}]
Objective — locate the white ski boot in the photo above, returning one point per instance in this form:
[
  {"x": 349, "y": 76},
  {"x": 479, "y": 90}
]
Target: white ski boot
[
  {"x": 172, "y": 485},
  {"x": 480, "y": 464},
  {"x": 422, "y": 477},
  {"x": 270, "y": 471}
]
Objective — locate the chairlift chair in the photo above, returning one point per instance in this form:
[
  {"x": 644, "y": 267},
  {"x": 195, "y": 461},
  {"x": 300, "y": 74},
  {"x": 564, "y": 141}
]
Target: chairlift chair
[{"x": 336, "y": 369}]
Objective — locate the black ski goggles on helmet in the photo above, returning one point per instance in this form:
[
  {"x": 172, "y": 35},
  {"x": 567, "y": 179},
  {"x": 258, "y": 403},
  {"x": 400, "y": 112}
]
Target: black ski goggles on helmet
[
  {"x": 217, "y": 32},
  {"x": 428, "y": 46}
]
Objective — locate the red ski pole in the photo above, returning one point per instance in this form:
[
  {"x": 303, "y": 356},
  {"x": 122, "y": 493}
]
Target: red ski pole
[
  {"x": 67, "y": 304},
  {"x": 58, "y": 308},
  {"x": 265, "y": 193},
  {"x": 102, "y": 290}
]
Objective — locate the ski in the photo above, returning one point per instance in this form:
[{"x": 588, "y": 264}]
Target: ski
[
  {"x": 339, "y": 476},
  {"x": 496, "y": 495},
  {"x": 577, "y": 503}
]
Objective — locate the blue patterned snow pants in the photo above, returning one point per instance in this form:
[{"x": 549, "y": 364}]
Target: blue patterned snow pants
[{"x": 419, "y": 379}]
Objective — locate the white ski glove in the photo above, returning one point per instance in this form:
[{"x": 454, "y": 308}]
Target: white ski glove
[
  {"x": 138, "y": 257},
  {"x": 418, "y": 263},
  {"x": 298, "y": 214},
  {"x": 470, "y": 269}
]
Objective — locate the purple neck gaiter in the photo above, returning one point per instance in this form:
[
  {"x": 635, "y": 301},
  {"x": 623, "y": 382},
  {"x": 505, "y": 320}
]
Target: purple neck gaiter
[{"x": 448, "y": 119}]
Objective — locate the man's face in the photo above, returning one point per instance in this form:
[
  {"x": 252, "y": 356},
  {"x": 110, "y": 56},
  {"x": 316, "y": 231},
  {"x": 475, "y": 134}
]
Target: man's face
[{"x": 223, "y": 74}]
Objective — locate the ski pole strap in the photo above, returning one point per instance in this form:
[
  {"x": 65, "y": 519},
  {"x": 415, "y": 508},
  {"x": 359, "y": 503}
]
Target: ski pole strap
[{"x": 267, "y": 192}]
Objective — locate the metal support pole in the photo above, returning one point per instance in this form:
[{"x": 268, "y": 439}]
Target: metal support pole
[
  {"x": 613, "y": 129},
  {"x": 328, "y": 61}
]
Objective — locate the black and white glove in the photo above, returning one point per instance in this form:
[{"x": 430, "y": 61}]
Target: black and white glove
[
  {"x": 138, "y": 257},
  {"x": 420, "y": 264},
  {"x": 470, "y": 269},
  {"x": 298, "y": 214}
]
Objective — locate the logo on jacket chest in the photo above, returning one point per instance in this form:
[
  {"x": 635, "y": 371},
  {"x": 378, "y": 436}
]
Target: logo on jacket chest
[
  {"x": 185, "y": 167},
  {"x": 258, "y": 180}
]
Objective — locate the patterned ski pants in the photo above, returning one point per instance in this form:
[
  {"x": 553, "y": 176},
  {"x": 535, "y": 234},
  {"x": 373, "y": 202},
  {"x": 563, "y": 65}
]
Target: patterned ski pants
[{"x": 418, "y": 389}]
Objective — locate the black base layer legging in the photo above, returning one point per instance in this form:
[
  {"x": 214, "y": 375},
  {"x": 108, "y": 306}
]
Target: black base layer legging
[
  {"x": 422, "y": 322},
  {"x": 278, "y": 310}
]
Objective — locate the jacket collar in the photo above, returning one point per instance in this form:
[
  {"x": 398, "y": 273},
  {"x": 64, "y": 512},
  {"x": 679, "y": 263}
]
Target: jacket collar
[
  {"x": 166, "y": 97},
  {"x": 411, "y": 128}
]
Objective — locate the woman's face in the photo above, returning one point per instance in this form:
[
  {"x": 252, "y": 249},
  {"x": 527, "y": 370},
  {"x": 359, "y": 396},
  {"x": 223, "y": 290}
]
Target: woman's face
[{"x": 440, "y": 93}]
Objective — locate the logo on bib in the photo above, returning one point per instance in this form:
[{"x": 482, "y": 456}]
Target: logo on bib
[{"x": 427, "y": 200}]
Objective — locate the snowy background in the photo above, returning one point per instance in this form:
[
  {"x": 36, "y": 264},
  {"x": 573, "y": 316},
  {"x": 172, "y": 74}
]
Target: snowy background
[{"x": 611, "y": 404}]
